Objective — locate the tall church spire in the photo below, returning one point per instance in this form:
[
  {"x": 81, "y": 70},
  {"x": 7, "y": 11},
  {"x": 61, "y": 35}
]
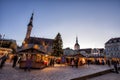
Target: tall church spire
[
  {"x": 29, "y": 28},
  {"x": 76, "y": 46},
  {"x": 31, "y": 20}
]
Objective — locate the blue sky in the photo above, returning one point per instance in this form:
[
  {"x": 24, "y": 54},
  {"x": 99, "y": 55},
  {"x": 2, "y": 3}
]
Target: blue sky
[{"x": 93, "y": 21}]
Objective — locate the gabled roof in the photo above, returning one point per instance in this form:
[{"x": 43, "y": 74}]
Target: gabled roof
[
  {"x": 87, "y": 50},
  {"x": 79, "y": 55},
  {"x": 31, "y": 50},
  {"x": 40, "y": 41},
  {"x": 113, "y": 40},
  {"x": 76, "y": 55},
  {"x": 69, "y": 51}
]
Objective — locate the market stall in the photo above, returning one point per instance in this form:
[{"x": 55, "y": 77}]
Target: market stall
[
  {"x": 6, "y": 51},
  {"x": 39, "y": 58},
  {"x": 80, "y": 57},
  {"x": 96, "y": 59}
]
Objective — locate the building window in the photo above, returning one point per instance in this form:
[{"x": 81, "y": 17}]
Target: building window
[{"x": 119, "y": 47}]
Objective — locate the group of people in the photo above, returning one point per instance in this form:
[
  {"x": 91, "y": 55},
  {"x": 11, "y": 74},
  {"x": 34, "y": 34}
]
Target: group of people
[
  {"x": 114, "y": 63},
  {"x": 97, "y": 62},
  {"x": 15, "y": 60},
  {"x": 52, "y": 62},
  {"x": 74, "y": 62},
  {"x": 3, "y": 60},
  {"x": 4, "y": 57}
]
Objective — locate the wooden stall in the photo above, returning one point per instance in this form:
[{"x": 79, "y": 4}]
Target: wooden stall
[
  {"x": 8, "y": 51},
  {"x": 80, "y": 57},
  {"x": 39, "y": 58}
]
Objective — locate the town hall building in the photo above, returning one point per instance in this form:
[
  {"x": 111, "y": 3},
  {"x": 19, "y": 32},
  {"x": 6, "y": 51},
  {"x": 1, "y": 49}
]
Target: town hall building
[{"x": 42, "y": 44}]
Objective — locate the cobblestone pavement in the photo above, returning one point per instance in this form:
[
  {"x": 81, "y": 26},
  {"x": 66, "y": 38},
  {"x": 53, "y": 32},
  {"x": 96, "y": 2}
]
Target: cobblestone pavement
[
  {"x": 58, "y": 72},
  {"x": 109, "y": 76}
]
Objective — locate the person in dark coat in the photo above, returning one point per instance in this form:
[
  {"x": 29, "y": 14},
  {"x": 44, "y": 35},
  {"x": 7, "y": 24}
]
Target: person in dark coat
[
  {"x": 15, "y": 58},
  {"x": 103, "y": 62},
  {"x": 28, "y": 64},
  {"x": 3, "y": 59},
  {"x": 115, "y": 67},
  {"x": 53, "y": 61},
  {"x": 88, "y": 62},
  {"x": 76, "y": 63},
  {"x": 109, "y": 63}
]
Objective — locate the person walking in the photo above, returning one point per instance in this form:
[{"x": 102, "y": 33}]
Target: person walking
[
  {"x": 15, "y": 58},
  {"x": 28, "y": 64},
  {"x": 53, "y": 62},
  {"x": 3, "y": 59},
  {"x": 109, "y": 63},
  {"x": 72, "y": 63},
  {"x": 88, "y": 62}
]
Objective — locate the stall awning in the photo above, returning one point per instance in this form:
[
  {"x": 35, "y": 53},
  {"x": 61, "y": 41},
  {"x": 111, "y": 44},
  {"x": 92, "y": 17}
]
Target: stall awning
[
  {"x": 75, "y": 55},
  {"x": 30, "y": 50},
  {"x": 3, "y": 50}
]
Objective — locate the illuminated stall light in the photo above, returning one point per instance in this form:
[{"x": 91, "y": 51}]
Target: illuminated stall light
[
  {"x": 83, "y": 61},
  {"x": 23, "y": 42},
  {"x": 26, "y": 45},
  {"x": 38, "y": 57},
  {"x": 46, "y": 55},
  {"x": 36, "y": 46}
]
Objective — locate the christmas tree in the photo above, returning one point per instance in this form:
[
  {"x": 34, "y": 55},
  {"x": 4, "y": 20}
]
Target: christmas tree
[{"x": 57, "y": 46}]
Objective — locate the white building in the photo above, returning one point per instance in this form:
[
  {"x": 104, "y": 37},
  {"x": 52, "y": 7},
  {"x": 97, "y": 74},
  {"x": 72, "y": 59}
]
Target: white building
[{"x": 112, "y": 48}]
